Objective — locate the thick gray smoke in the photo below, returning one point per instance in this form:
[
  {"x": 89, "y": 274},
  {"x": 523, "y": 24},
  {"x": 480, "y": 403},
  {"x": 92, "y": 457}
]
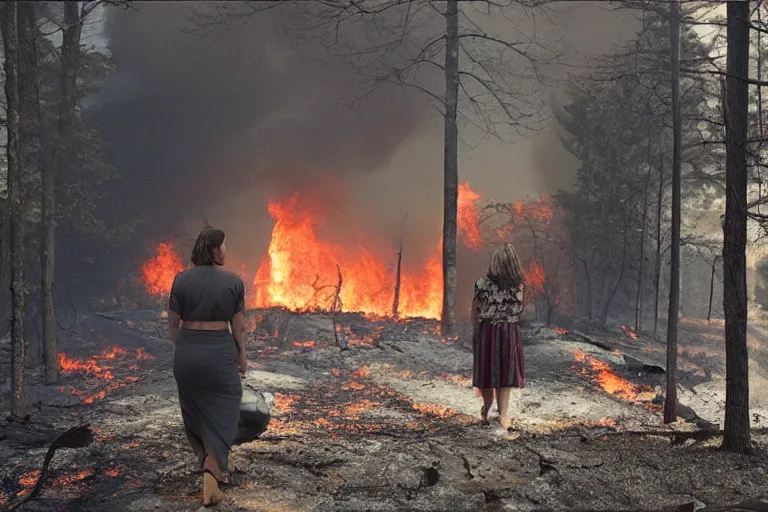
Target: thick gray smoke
[
  {"x": 193, "y": 121},
  {"x": 209, "y": 127}
]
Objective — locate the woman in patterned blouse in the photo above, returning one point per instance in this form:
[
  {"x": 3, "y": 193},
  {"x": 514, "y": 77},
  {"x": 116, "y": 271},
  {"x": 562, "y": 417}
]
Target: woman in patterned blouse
[{"x": 496, "y": 339}]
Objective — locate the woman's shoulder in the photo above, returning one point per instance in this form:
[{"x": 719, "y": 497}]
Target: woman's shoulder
[
  {"x": 484, "y": 284},
  {"x": 230, "y": 277}
]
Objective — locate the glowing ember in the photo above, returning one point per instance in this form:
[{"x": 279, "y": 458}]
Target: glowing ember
[
  {"x": 362, "y": 372},
  {"x": 112, "y": 473},
  {"x": 437, "y": 410},
  {"x": 305, "y": 344},
  {"x": 602, "y": 374},
  {"x": 158, "y": 273},
  {"x": 352, "y": 385},
  {"x": 96, "y": 368},
  {"x": 66, "y": 480},
  {"x": 29, "y": 479},
  {"x": 629, "y": 331},
  {"x": 560, "y": 331},
  {"x": 284, "y": 402}
]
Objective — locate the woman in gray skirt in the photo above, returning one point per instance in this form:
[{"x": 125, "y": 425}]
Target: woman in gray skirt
[{"x": 206, "y": 315}]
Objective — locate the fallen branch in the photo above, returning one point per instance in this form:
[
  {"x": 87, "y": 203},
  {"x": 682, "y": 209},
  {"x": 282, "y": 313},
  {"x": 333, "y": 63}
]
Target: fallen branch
[
  {"x": 593, "y": 341},
  {"x": 76, "y": 437}
]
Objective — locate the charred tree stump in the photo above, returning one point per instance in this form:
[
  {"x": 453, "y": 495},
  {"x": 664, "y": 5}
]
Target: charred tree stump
[
  {"x": 334, "y": 310},
  {"x": 396, "y": 300}
]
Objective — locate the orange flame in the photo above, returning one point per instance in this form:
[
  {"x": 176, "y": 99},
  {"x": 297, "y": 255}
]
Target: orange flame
[
  {"x": 534, "y": 280},
  {"x": 560, "y": 331},
  {"x": 602, "y": 374},
  {"x": 629, "y": 331},
  {"x": 299, "y": 270},
  {"x": 95, "y": 368},
  {"x": 158, "y": 273},
  {"x": 469, "y": 230}
]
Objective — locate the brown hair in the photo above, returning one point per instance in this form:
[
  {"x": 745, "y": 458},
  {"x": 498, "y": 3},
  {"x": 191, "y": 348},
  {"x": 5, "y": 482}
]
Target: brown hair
[
  {"x": 505, "y": 269},
  {"x": 208, "y": 240}
]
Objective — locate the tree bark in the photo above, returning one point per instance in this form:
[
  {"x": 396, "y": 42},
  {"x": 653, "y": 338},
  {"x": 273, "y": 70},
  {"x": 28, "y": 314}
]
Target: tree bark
[
  {"x": 608, "y": 299},
  {"x": 70, "y": 49},
  {"x": 658, "y": 249},
  {"x": 670, "y": 400},
  {"x": 16, "y": 201},
  {"x": 29, "y": 113},
  {"x": 711, "y": 289},
  {"x": 450, "y": 166},
  {"x": 396, "y": 300},
  {"x": 737, "y": 434},
  {"x": 641, "y": 271}
]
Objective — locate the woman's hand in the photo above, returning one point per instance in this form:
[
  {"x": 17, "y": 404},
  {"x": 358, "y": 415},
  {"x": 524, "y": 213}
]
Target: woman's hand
[{"x": 242, "y": 363}]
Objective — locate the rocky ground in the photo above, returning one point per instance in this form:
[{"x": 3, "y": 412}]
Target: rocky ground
[{"x": 391, "y": 423}]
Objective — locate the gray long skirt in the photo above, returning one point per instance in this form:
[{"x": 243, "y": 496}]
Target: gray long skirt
[{"x": 205, "y": 368}]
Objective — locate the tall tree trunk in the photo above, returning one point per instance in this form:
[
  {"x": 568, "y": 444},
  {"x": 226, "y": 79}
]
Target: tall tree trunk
[
  {"x": 641, "y": 271},
  {"x": 451, "y": 165},
  {"x": 670, "y": 400},
  {"x": 29, "y": 113},
  {"x": 608, "y": 300},
  {"x": 16, "y": 201},
  {"x": 657, "y": 287},
  {"x": 737, "y": 435},
  {"x": 70, "y": 49}
]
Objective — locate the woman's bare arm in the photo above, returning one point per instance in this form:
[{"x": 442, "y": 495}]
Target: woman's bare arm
[
  {"x": 174, "y": 321},
  {"x": 238, "y": 332},
  {"x": 475, "y": 308}
]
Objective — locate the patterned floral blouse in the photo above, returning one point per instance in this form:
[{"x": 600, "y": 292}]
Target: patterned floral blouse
[{"x": 498, "y": 305}]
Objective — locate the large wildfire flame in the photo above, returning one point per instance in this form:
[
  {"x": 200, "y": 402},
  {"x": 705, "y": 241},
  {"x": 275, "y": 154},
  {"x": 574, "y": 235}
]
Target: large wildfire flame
[{"x": 301, "y": 270}]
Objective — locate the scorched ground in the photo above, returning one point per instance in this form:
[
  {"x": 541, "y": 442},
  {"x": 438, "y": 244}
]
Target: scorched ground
[{"x": 389, "y": 424}]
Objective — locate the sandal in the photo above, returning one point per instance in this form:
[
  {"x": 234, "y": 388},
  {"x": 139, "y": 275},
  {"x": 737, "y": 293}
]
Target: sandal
[{"x": 212, "y": 495}]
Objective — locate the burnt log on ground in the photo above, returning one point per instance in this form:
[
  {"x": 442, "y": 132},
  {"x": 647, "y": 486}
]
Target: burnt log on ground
[{"x": 392, "y": 427}]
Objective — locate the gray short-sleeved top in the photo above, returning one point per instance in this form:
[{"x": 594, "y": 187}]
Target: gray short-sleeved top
[{"x": 207, "y": 293}]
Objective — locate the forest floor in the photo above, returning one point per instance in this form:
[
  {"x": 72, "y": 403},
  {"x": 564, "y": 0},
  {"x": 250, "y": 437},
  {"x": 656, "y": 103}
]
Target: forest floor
[{"x": 389, "y": 424}]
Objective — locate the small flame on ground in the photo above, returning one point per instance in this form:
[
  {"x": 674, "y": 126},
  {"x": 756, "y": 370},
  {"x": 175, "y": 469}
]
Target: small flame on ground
[
  {"x": 305, "y": 344},
  {"x": 629, "y": 331},
  {"x": 96, "y": 368},
  {"x": 602, "y": 374},
  {"x": 560, "y": 331}
]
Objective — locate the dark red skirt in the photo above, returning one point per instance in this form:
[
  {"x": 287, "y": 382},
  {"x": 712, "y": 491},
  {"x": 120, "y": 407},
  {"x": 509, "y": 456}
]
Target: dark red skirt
[{"x": 498, "y": 356}]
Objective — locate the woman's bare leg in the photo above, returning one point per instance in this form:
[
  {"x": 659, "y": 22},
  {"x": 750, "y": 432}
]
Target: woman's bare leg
[
  {"x": 211, "y": 463},
  {"x": 211, "y": 492},
  {"x": 487, "y": 395},
  {"x": 502, "y": 400}
]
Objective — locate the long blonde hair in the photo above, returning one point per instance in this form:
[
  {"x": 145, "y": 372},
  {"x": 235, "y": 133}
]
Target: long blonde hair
[{"x": 505, "y": 269}]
